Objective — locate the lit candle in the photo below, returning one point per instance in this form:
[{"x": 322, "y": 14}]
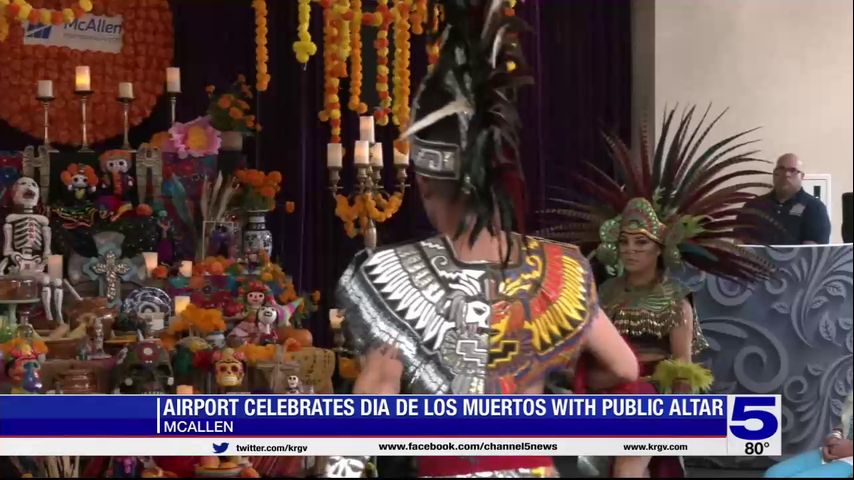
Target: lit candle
[
  {"x": 336, "y": 317},
  {"x": 334, "y": 155},
  {"x": 184, "y": 390},
  {"x": 181, "y": 304},
  {"x": 150, "y": 261},
  {"x": 186, "y": 269},
  {"x": 82, "y": 80},
  {"x": 400, "y": 158},
  {"x": 125, "y": 90},
  {"x": 45, "y": 89},
  {"x": 54, "y": 267},
  {"x": 377, "y": 155},
  {"x": 366, "y": 129},
  {"x": 361, "y": 155},
  {"x": 173, "y": 80}
]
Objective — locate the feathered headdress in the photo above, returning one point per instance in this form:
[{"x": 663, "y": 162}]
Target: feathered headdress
[
  {"x": 465, "y": 124},
  {"x": 687, "y": 200}
]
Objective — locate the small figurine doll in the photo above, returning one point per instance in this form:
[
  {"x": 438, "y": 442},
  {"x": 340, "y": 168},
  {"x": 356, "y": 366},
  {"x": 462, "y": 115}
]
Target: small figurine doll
[
  {"x": 253, "y": 297},
  {"x": 23, "y": 370},
  {"x": 228, "y": 368},
  {"x": 81, "y": 180},
  {"x": 116, "y": 182},
  {"x": 268, "y": 318}
]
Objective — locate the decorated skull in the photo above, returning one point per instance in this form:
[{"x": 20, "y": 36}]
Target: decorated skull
[
  {"x": 145, "y": 369},
  {"x": 228, "y": 368},
  {"x": 25, "y": 193},
  {"x": 294, "y": 384}
]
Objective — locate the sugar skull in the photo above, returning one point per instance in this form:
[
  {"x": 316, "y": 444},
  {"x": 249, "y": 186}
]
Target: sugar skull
[
  {"x": 23, "y": 370},
  {"x": 228, "y": 368},
  {"x": 145, "y": 369}
]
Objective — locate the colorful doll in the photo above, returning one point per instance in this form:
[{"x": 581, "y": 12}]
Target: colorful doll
[
  {"x": 116, "y": 183},
  {"x": 23, "y": 370},
  {"x": 81, "y": 180}
]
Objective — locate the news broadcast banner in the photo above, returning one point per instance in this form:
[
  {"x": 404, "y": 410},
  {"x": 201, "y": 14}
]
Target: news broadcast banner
[{"x": 405, "y": 425}]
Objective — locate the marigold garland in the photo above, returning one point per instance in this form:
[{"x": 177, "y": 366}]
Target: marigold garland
[
  {"x": 148, "y": 40},
  {"x": 262, "y": 77},
  {"x": 378, "y": 207},
  {"x": 355, "y": 104},
  {"x": 418, "y": 17},
  {"x": 304, "y": 48},
  {"x": 24, "y": 11},
  {"x": 385, "y": 17},
  {"x": 400, "y": 109}
]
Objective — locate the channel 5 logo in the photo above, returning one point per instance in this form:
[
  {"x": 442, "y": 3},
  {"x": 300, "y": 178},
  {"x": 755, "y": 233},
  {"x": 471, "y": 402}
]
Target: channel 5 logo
[{"x": 753, "y": 417}]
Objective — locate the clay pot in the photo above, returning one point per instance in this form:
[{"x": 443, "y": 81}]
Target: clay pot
[{"x": 78, "y": 381}]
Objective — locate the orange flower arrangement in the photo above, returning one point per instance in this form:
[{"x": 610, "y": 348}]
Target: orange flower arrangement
[
  {"x": 419, "y": 17},
  {"x": 148, "y": 40},
  {"x": 259, "y": 189},
  {"x": 377, "y": 207},
  {"x": 198, "y": 320},
  {"x": 262, "y": 55}
]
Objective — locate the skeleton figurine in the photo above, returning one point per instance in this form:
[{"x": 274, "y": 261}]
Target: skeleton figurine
[
  {"x": 294, "y": 385},
  {"x": 268, "y": 317},
  {"x": 26, "y": 245},
  {"x": 98, "y": 342}
]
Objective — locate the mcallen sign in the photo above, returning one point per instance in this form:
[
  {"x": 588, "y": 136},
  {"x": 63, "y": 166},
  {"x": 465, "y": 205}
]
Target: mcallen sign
[{"x": 90, "y": 32}]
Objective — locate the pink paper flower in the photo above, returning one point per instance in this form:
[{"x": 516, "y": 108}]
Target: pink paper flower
[{"x": 195, "y": 139}]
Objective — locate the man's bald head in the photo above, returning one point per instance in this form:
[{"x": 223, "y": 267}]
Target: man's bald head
[{"x": 788, "y": 176}]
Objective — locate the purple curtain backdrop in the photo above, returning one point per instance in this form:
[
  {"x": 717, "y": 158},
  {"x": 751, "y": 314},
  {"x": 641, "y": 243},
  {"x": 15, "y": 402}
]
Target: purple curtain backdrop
[{"x": 580, "y": 52}]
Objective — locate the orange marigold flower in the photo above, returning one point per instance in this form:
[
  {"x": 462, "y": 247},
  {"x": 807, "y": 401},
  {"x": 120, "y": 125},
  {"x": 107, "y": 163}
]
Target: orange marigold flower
[
  {"x": 235, "y": 113},
  {"x": 268, "y": 192},
  {"x": 224, "y": 102},
  {"x": 275, "y": 176},
  {"x": 290, "y": 207},
  {"x": 160, "y": 273}
]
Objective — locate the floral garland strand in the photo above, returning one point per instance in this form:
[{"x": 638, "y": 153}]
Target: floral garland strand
[
  {"x": 385, "y": 18},
  {"x": 400, "y": 108},
  {"x": 262, "y": 55},
  {"x": 355, "y": 104},
  {"x": 433, "y": 46},
  {"x": 366, "y": 207},
  {"x": 304, "y": 48},
  {"x": 418, "y": 17},
  {"x": 23, "y": 11}
]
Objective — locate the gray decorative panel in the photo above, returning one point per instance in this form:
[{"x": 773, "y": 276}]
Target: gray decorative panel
[{"x": 791, "y": 335}]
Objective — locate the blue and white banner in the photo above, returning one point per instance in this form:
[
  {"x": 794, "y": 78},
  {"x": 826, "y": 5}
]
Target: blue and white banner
[
  {"x": 89, "y": 32},
  {"x": 399, "y": 425}
]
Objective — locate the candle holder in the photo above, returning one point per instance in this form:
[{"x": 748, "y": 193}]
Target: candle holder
[
  {"x": 84, "y": 100},
  {"x": 45, "y": 101},
  {"x": 125, "y": 101},
  {"x": 369, "y": 186},
  {"x": 173, "y": 102}
]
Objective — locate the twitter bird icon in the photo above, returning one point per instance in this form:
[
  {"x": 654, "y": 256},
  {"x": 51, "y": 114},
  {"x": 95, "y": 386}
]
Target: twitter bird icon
[{"x": 221, "y": 448}]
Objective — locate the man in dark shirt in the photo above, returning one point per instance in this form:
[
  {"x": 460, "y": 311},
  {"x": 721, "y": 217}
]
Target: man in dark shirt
[{"x": 803, "y": 217}]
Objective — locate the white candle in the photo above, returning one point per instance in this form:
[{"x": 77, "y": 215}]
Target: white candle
[
  {"x": 181, "y": 304},
  {"x": 125, "y": 90},
  {"x": 361, "y": 155},
  {"x": 366, "y": 129},
  {"x": 45, "y": 89},
  {"x": 186, "y": 269},
  {"x": 336, "y": 317},
  {"x": 173, "y": 80},
  {"x": 377, "y": 155},
  {"x": 334, "y": 155},
  {"x": 150, "y": 261},
  {"x": 400, "y": 158},
  {"x": 54, "y": 267},
  {"x": 82, "y": 80}
]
